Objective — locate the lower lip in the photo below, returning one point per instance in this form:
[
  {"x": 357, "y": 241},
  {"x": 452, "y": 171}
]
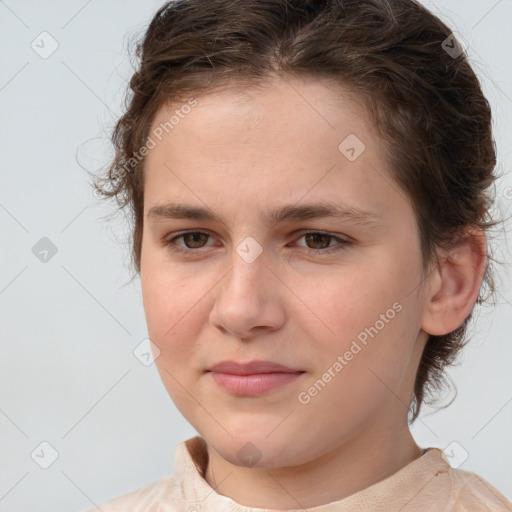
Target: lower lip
[{"x": 254, "y": 384}]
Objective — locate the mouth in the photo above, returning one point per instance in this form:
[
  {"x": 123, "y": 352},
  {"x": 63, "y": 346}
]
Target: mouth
[
  {"x": 253, "y": 378},
  {"x": 251, "y": 368}
]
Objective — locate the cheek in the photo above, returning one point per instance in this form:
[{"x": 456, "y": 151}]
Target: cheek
[
  {"x": 165, "y": 316},
  {"x": 171, "y": 316},
  {"x": 369, "y": 317},
  {"x": 359, "y": 378},
  {"x": 176, "y": 306},
  {"x": 168, "y": 294},
  {"x": 344, "y": 303}
]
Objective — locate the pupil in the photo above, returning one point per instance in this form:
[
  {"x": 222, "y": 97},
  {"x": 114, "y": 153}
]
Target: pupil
[
  {"x": 315, "y": 237},
  {"x": 195, "y": 237}
]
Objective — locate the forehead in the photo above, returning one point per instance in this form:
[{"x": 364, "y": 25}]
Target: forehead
[
  {"x": 285, "y": 101},
  {"x": 291, "y": 139}
]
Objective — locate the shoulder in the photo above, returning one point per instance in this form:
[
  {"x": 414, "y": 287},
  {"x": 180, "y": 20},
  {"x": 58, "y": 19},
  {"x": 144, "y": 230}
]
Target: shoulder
[
  {"x": 150, "y": 498},
  {"x": 431, "y": 484},
  {"x": 171, "y": 493},
  {"x": 470, "y": 492}
]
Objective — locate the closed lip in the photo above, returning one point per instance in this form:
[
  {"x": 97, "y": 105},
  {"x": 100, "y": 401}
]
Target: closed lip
[{"x": 251, "y": 367}]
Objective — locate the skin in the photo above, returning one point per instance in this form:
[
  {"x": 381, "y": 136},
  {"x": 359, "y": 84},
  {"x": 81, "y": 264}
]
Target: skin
[{"x": 241, "y": 153}]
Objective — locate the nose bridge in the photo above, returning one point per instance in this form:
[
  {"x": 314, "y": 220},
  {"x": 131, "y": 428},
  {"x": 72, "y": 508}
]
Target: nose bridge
[
  {"x": 246, "y": 299},
  {"x": 248, "y": 265}
]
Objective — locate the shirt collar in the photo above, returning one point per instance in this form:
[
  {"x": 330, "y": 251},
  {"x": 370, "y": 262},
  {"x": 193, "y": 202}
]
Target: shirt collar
[{"x": 396, "y": 491}]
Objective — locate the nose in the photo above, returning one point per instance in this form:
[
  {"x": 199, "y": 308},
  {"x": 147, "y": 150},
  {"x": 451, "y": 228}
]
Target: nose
[{"x": 249, "y": 300}]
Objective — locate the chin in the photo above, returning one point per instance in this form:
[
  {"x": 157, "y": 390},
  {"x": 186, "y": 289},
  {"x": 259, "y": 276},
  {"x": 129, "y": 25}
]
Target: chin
[{"x": 256, "y": 449}]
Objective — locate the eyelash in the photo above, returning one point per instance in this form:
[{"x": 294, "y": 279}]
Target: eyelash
[{"x": 168, "y": 242}]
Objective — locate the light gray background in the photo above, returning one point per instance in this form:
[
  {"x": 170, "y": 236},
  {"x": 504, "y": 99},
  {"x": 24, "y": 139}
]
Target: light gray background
[{"x": 68, "y": 326}]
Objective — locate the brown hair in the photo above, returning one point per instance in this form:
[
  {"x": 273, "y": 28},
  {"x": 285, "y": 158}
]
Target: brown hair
[{"x": 425, "y": 101}]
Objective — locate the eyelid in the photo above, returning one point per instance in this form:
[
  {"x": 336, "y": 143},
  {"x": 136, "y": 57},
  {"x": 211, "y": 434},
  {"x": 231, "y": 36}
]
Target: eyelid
[{"x": 339, "y": 236}]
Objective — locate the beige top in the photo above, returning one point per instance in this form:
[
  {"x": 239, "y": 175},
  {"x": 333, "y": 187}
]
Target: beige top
[{"x": 428, "y": 483}]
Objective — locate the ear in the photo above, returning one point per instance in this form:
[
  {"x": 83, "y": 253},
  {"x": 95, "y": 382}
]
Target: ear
[{"x": 454, "y": 284}]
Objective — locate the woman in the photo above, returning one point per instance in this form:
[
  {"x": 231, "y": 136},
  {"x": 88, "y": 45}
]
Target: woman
[{"x": 309, "y": 188}]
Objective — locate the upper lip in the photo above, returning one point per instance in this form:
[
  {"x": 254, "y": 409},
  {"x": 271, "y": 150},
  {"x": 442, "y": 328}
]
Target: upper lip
[{"x": 251, "y": 367}]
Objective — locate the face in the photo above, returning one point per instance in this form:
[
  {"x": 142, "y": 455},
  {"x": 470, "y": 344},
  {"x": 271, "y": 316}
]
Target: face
[{"x": 333, "y": 298}]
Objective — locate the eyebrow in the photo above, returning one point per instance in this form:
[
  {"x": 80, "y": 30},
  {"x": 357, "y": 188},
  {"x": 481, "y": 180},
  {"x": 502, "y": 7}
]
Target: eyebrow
[{"x": 287, "y": 212}]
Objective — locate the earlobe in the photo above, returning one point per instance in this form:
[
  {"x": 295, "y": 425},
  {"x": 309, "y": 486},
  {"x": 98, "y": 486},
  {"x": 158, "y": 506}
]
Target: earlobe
[{"x": 455, "y": 283}]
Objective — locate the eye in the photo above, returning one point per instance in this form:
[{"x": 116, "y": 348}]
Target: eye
[
  {"x": 192, "y": 239},
  {"x": 321, "y": 241},
  {"x": 318, "y": 238}
]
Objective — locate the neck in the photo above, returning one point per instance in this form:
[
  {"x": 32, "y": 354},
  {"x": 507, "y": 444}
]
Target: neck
[{"x": 349, "y": 468}]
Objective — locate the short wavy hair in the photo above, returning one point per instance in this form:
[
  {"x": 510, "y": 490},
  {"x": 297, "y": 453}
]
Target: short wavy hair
[{"x": 404, "y": 63}]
